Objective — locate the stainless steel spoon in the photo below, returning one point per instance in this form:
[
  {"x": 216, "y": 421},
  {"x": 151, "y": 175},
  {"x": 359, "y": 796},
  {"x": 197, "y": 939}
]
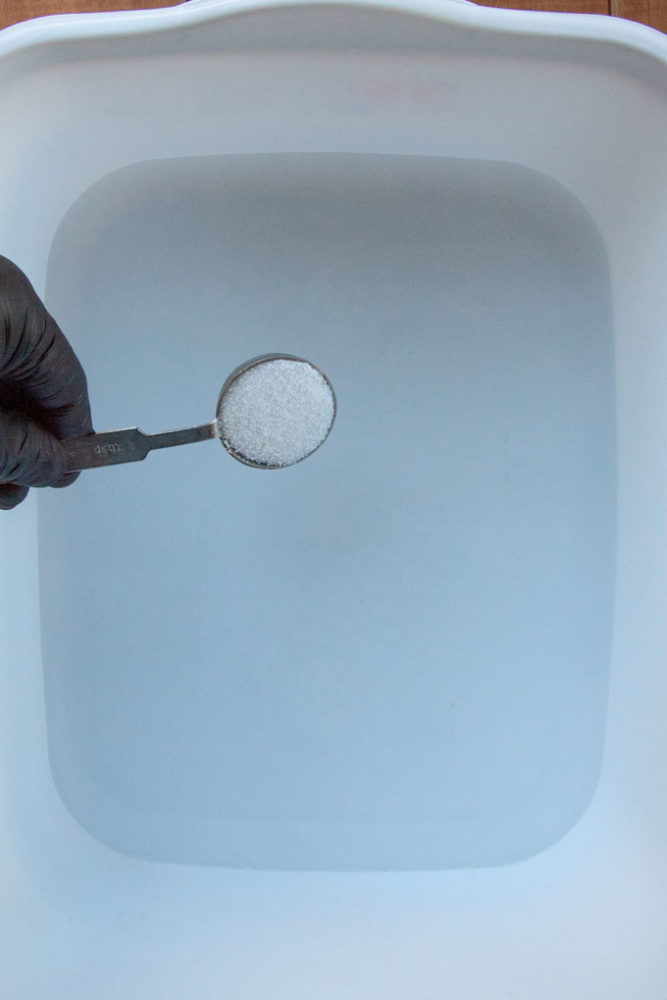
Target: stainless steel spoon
[{"x": 94, "y": 451}]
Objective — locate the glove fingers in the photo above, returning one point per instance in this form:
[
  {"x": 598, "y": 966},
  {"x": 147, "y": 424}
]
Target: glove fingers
[
  {"x": 67, "y": 480},
  {"x": 37, "y": 359},
  {"x": 11, "y": 496},
  {"x": 29, "y": 455}
]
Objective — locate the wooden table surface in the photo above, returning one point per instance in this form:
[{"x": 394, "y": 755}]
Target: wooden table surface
[{"x": 652, "y": 12}]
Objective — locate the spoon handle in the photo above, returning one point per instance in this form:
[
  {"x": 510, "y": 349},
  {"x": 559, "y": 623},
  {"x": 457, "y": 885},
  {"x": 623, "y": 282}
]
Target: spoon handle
[{"x": 92, "y": 451}]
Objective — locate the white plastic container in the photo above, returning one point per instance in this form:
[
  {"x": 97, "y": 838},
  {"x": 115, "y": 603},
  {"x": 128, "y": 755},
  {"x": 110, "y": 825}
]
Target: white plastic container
[{"x": 390, "y": 723}]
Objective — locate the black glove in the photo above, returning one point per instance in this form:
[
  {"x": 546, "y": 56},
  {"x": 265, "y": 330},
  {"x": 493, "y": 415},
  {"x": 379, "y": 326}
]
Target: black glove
[{"x": 43, "y": 392}]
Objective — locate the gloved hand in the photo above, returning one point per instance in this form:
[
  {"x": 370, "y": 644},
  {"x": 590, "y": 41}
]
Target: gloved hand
[{"x": 43, "y": 392}]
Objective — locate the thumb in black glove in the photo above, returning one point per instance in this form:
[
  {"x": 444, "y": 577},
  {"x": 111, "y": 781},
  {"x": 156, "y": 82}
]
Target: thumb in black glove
[{"x": 43, "y": 392}]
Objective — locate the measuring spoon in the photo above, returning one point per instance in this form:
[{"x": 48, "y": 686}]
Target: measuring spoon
[{"x": 273, "y": 411}]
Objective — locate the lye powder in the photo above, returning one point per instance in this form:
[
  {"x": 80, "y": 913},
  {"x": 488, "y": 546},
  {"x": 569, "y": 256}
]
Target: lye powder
[{"x": 277, "y": 412}]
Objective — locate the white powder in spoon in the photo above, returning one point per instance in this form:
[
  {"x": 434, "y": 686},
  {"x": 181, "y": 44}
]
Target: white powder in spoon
[{"x": 276, "y": 412}]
